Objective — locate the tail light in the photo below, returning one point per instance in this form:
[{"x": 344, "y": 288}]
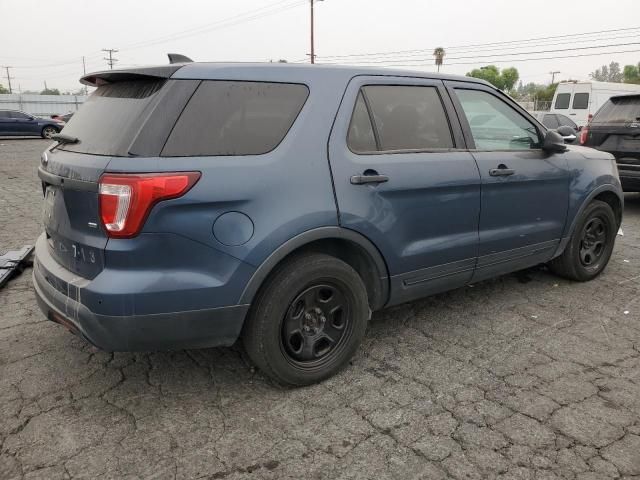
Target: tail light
[
  {"x": 125, "y": 200},
  {"x": 584, "y": 133}
]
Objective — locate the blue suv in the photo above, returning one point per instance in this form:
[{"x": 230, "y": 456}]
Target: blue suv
[{"x": 192, "y": 204}]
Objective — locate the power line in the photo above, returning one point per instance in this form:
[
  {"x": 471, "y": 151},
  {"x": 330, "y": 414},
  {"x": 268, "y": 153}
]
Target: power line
[
  {"x": 521, "y": 59},
  {"x": 484, "y": 44},
  {"x": 249, "y": 15},
  {"x": 634, "y": 35},
  {"x": 228, "y": 22},
  {"x": 514, "y": 54}
]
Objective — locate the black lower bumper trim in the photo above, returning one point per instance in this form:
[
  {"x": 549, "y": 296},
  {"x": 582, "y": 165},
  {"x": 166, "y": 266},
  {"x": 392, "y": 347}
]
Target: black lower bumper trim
[{"x": 166, "y": 331}]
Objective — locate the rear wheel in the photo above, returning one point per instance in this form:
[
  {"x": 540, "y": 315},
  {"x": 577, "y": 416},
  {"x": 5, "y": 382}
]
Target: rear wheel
[
  {"x": 308, "y": 320},
  {"x": 590, "y": 247},
  {"x": 49, "y": 131}
]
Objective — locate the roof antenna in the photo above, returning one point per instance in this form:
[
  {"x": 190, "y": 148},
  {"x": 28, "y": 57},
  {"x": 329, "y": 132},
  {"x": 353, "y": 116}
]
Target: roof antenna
[{"x": 177, "y": 58}]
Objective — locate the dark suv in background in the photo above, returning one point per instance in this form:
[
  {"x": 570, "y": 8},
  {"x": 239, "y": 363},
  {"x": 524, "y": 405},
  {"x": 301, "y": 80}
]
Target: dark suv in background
[
  {"x": 190, "y": 205},
  {"x": 615, "y": 128}
]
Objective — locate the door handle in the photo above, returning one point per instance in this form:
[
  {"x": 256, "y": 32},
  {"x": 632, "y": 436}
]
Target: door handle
[
  {"x": 501, "y": 171},
  {"x": 372, "y": 177}
]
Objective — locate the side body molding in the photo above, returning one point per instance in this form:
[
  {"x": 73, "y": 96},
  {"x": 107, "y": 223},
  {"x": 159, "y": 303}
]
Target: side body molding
[{"x": 321, "y": 233}]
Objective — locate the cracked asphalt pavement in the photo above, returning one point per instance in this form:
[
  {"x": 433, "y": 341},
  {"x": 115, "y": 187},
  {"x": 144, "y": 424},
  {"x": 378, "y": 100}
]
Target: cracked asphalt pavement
[{"x": 528, "y": 376}]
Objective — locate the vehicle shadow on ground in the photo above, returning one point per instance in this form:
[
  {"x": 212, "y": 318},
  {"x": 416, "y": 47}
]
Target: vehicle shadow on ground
[{"x": 229, "y": 368}]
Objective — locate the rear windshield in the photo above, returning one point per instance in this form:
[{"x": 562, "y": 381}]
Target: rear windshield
[
  {"x": 236, "y": 118},
  {"x": 619, "y": 110},
  {"x": 108, "y": 121}
]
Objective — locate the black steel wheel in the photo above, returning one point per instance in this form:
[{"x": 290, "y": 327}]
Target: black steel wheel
[
  {"x": 590, "y": 246},
  {"x": 308, "y": 319},
  {"x": 315, "y": 325},
  {"x": 594, "y": 240}
]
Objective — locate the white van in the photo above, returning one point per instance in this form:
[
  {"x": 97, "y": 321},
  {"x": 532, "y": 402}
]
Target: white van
[{"x": 580, "y": 100}]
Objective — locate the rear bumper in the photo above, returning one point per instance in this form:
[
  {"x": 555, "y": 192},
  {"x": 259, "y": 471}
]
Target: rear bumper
[{"x": 159, "y": 331}]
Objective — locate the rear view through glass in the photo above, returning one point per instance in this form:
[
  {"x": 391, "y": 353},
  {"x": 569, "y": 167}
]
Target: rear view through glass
[
  {"x": 619, "y": 110},
  {"x": 236, "y": 118}
]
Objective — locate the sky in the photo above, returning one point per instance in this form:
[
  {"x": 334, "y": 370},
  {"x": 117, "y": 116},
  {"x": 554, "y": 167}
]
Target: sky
[{"x": 46, "y": 42}]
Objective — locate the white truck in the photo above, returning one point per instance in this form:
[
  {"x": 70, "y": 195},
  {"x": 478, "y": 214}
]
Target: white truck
[{"x": 580, "y": 100}]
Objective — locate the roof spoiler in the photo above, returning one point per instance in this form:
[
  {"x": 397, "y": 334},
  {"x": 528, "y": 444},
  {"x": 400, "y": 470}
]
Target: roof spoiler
[{"x": 96, "y": 79}]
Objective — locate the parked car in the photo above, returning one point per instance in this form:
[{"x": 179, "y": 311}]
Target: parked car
[
  {"x": 563, "y": 125},
  {"x": 615, "y": 128},
  {"x": 190, "y": 205},
  {"x": 580, "y": 100},
  {"x": 16, "y": 123}
]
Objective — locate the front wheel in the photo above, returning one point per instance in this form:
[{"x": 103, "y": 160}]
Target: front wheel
[
  {"x": 308, "y": 320},
  {"x": 590, "y": 247},
  {"x": 49, "y": 131}
]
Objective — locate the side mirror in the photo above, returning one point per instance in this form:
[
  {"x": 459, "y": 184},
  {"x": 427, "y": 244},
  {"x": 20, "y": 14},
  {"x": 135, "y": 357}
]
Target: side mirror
[
  {"x": 568, "y": 133},
  {"x": 554, "y": 143}
]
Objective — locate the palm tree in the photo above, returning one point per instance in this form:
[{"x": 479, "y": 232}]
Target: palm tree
[{"x": 439, "y": 53}]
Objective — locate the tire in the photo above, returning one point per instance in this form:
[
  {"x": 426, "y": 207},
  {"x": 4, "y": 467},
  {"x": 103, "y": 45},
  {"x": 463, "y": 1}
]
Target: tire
[
  {"x": 48, "y": 131},
  {"x": 308, "y": 298},
  {"x": 590, "y": 246}
]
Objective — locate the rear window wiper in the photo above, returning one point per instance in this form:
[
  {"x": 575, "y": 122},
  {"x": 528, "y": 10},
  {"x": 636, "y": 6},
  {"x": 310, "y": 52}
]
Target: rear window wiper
[{"x": 63, "y": 139}]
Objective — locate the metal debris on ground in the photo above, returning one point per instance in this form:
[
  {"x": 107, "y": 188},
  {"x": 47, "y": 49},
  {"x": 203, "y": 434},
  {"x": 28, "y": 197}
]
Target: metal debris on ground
[{"x": 12, "y": 263}]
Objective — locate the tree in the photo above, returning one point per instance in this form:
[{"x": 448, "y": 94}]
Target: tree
[
  {"x": 439, "y": 53},
  {"x": 509, "y": 77},
  {"x": 504, "y": 80},
  {"x": 631, "y": 74},
  {"x": 50, "y": 91},
  {"x": 612, "y": 73},
  {"x": 545, "y": 93},
  {"x": 3, "y": 89}
]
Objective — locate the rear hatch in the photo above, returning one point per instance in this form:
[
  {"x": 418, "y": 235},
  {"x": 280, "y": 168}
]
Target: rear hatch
[
  {"x": 127, "y": 116},
  {"x": 615, "y": 128}
]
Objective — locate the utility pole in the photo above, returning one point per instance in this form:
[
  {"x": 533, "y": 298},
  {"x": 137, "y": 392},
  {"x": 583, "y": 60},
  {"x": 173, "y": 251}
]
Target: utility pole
[
  {"x": 9, "y": 77},
  {"x": 313, "y": 51},
  {"x": 84, "y": 73},
  {"x": 110, "y": 60},
  {"x": 553, "y": 76}
]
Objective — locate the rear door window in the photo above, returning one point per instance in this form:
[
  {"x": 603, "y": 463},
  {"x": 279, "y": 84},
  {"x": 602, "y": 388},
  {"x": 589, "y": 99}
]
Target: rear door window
[
  {"x": 236, "y": 118},
  {"x": 4, "y": 114},
  {"x": 581, "y": 101},
  {"x": 408, "y": 117},
  {"x": 361, "y": 137},
  {"x": 562, "y": 101}
]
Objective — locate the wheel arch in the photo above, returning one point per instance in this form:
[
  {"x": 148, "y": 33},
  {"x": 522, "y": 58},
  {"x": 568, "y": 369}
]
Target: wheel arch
[
  {"x": 351, "y": 247},
  {"x": 607, "y": 193}
]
